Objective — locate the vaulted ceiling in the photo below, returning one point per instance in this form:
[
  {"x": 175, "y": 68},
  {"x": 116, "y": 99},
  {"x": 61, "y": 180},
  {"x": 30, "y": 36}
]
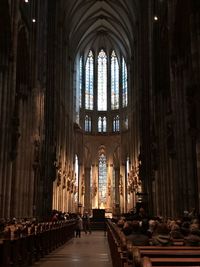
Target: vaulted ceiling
[{"x": 110, "y": 23}]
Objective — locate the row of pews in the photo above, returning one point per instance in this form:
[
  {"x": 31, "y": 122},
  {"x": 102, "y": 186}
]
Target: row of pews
[
  {"x": 125, "y": 255},
  {"x": 22, "y": 246}
]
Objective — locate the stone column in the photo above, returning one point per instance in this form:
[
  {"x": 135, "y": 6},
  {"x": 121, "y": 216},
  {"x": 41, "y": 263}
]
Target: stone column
[
  {"x": 8, "y": 91},
  {"x": 198, "y": 173},
  {"x": 117, "y": 193},
  {"x": 87, "y": 189}
]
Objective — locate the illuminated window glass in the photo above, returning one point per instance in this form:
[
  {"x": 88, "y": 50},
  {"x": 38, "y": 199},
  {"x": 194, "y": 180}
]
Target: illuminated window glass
[
  {"x": 99, "y": 124},
  {"x": 76, "y": 179},
  {"x": 92, "y": 187},
  {"x": 114, "y": 81},
  {"x": 102, "y": 124},
  {"x": 80, "y": 80},
  {"x": 124, "y": 84},
  {"x": 88, "y": 123},
  {"x": 102, "y": 81},
  {"x": 116, "y": 124},
  {"x": 102, "y": 180},
  {"x": 89, "y": 81},
  {"x": 128, "y": 181}
]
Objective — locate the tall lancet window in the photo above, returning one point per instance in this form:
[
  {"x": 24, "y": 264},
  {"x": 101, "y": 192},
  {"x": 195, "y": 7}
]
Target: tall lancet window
[
  {"x": 102, "y": 124},
  {"x": 102, "y": 180},
  {"x": 114, "y": 81},
  {"x": 116, "y": 124},
  {"x": 88, "y": 123},
  {"x": 89, "y": 81},
  {"x": 128, "y": 179},
  {"x": 76, "y": 179},
  {"x": 124, "y": 84},
  {"x": 102, "y": 81},
  {"x": 80, "y": 80}
]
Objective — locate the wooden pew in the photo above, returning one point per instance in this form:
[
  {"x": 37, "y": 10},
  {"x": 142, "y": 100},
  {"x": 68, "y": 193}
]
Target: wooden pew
[
  {"x": 5, "y": 253},
  {"x": 22, "y": 247},
  {"x": 147, "y": 256},
  {"x": 117, "y": 244},
  {"x": 166, "y": 256},
  {"x": 169, "y": 262}
]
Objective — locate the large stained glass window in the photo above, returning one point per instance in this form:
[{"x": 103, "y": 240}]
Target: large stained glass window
[
  {"x": 124, "y": 84},
  {"x": 102, "y": 81},
  {"x": 89, "y": 81},
  {"x": 102, "y": 180},
  {"x": 114, "y": 81},
  {"x": 88, "y": 123},
  {"x": 102, "y": 124},
  {"x": 80, "y": 80}
]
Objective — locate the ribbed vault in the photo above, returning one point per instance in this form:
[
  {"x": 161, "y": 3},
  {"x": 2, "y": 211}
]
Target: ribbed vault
[{"x": 107, "y": 23}]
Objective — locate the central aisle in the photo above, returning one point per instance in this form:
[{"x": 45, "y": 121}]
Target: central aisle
[{"x": 91, "y": 250}]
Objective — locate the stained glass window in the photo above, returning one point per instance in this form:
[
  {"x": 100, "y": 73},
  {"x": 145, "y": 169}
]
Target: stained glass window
[
  {"x": 93, "y": 79},
  {"x": 102, "y": 180},
  {"x": 80, "y": 80},
  {"x": 99, "y": 124},
  {"x": 102, "y": 124},
  {"x": 89, "y": 81},
  {"x": 116, "y": 124},
  {"x": 76, "y": 178},
  {"x": 114, "y": 81},
  {"x": 88, "y": 123},
  {"x": 102, "y": 81},
  {"x": 124, "y": 84}
]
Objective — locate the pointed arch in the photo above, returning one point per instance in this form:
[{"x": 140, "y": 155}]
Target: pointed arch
[
  {"x": 124, "y": 84},
  {"x": 102, "y": 81},
  {"x": 89, "y": 81},
  {"x": 114, "y": 81}
]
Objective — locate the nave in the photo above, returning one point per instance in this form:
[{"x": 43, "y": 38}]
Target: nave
[{"x": 89, "y": 250}]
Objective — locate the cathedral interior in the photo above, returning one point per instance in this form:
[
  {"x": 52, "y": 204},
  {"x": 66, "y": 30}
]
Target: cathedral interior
[{"x": 99, "y": 106}]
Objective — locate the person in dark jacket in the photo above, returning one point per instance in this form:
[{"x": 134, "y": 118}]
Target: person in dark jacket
[{"x": 137, "y": 237}]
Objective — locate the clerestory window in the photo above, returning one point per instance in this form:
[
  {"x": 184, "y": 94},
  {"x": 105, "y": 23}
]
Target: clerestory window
[
  {"x": 102, "y": 82},
  {"x": 103, "y": 88},
  {"x": 89, "y": 82}
]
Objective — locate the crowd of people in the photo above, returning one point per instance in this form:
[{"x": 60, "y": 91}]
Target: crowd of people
[
  {"x": 140, "y": 229},
  {"x": 82, "y": 221}
]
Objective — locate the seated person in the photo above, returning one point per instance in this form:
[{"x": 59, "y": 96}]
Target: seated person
[
  {"x": 176, "y": 232},
  {"x": 137, "y": 237},
  {"x": 193, "y": 238},
  {"x": 161, "y": 237}
]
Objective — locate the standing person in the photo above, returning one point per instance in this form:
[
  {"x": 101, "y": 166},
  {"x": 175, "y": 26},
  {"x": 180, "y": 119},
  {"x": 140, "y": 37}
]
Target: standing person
[
  {"x": 79, "y": 226},
  {"x": 86, "y": 223}
]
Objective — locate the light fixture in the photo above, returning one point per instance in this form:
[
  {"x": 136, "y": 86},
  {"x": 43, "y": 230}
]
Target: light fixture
[
  {"x": 33, "y": 20},
  {"x": 26, "y": 1},
  {"x": 155, "y": 17}
]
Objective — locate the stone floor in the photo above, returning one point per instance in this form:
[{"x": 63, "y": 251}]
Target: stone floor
[{"x": 89, "y": 250}]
